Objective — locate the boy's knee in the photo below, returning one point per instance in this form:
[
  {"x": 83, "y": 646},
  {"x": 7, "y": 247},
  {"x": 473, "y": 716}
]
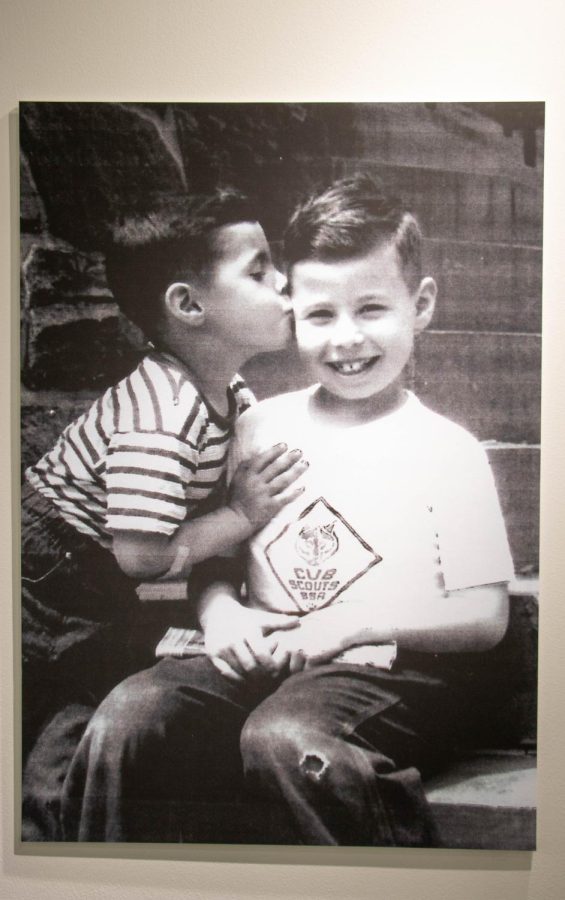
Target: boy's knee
[
  {"x": 129, "y": 711},
  {"x": 274, "y": 742},
  {"x": 267, "y": 733}
]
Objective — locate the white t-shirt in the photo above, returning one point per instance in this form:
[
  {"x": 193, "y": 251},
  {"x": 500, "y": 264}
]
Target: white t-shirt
[{"x": 404, "y": 506}]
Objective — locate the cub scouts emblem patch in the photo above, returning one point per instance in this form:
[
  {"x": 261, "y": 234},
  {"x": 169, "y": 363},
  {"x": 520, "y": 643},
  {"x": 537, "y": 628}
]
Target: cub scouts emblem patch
[
  {"x": 317, "y": 544},
  {"x": 318, "y": 556}
]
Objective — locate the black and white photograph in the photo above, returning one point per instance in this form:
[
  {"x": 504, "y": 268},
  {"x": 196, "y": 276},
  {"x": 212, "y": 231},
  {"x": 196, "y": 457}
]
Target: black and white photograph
[{"x": 280, "y": 466}]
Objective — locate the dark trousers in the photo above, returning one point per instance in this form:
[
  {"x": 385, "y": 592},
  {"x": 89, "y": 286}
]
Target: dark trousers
[
  {"x": 339, "y": 749},
  {"x": 77, "y": 614}
]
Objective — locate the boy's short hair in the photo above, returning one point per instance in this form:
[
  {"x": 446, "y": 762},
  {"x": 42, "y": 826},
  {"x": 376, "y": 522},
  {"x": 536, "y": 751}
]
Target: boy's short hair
[
  {"x": 147, "y": 253},
  {"x": 350, "y": 218}
]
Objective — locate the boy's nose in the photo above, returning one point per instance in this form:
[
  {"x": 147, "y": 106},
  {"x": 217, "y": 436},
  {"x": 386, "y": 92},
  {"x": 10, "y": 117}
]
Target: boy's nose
[
  {"x": 281, "y": 281},
  {"x": 287, "y": 304},
  {"x": 346, "y": 333}
]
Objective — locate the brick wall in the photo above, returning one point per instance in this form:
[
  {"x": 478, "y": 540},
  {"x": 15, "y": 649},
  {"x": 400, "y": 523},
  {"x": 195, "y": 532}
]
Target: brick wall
[{"x": 472, "y": 173}]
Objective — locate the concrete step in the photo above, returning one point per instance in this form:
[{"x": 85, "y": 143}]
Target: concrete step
[
  {"x": 489, "y": 382},
  {"x": 487, "y": 802},
  {"x": 453, "y": 135},
  {"x": 464, "y": 205},
  {"x": 485, "y": 286},
  {"x": 516, "y": 471}
]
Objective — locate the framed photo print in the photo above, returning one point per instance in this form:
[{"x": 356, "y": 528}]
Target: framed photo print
[{"x": 280, "y": 430}]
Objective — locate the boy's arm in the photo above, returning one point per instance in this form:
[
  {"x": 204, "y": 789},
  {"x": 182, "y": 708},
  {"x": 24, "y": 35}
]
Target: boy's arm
[
  {"x": 144, "y": 555},
  {"x": 468, "y": 620},
  {"x": 261, "y": 486}
]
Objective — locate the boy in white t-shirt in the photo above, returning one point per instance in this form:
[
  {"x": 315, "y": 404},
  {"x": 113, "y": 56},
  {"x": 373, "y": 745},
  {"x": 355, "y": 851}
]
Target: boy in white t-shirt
[{"x": 394, "y": 560}]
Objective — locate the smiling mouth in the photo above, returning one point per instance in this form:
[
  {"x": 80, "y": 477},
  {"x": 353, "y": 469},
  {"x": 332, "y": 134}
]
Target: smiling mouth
[{"x": 353, "y": 367}]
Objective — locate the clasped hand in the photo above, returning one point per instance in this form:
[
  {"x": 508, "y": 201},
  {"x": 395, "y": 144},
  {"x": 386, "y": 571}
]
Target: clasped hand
[{"x": 250, "y": 643}]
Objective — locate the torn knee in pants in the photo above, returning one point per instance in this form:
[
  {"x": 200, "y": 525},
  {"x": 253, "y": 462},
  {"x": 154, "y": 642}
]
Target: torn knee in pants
[{"x": 314, "y": 766}]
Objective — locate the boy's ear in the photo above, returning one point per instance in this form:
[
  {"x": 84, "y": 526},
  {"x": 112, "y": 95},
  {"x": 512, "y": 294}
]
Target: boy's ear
[
  {"x": 181, "y": 301},
  {"x": 425, "y": 303}
]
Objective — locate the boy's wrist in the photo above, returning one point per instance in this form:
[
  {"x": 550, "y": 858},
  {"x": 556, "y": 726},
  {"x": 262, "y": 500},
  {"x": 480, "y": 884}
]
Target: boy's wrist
[
  {"x": 241, "y": 521},
  {"x": 218, "y": 601},
  {"x": 338, "y": 623}
]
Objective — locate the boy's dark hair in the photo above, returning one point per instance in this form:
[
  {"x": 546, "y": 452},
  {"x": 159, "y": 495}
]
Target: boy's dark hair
[
  {"x": 349, "y": 219},
  {"x": 149, "y": 252}
]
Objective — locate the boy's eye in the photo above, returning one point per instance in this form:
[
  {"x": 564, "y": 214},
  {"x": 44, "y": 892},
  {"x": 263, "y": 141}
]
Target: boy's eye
[
  {"x": 319, "y": 316},
  {"x": 372, "y": 308}
]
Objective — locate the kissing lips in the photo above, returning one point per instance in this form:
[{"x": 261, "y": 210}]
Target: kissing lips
[{"x": 354, "y": 366}]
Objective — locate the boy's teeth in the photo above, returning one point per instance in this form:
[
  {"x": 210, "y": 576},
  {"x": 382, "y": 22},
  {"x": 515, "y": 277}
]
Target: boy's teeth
[{"x": 348, "y": 368}]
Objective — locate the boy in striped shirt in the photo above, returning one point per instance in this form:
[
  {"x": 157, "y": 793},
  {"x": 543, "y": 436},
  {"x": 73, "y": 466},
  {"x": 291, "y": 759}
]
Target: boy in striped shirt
[{"x": 132, "y": 490}]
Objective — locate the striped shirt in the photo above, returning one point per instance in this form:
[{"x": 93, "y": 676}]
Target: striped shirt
[{"x": 144, "y": 457}]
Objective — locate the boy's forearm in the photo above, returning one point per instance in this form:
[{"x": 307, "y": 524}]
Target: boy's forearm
[
  {"x": 216, "y": 600},
  {"x": 149, "y": 556},
  {"x": 469, "y": 620},
  {"x": 198, "y": 539}
]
